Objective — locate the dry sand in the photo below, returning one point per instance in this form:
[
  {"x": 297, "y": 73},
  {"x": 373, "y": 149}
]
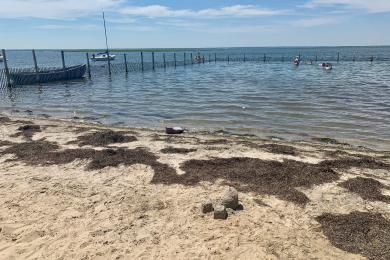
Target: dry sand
[{"x": 68, "y": 210}]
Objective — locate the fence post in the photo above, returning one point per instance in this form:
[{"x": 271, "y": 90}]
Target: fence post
[
  {"x": 338, "y": 57},
  {"x": 142, "y": 61},
  {"x": 88, "y": 65},
  {"x": 372, "y": 59},
  {"x": 215, "y": 57},
  {"x": 174, "y": 57},
  {"x": 192, "y": 59},
  {"x": 35, "y": 64},
  {"x": 126, "y": 68},
  {"x": 316, "y": 58},
  {"x": 153, "y": 60},
  {"x": 63, "y": 59},
  {"x": 228, "y": 59},
  {"x": 165, "y": 62},
  {"x": 264, "y": 58},
  {"x": 184, "y": 59},
  {"x": 6, "y": 68},
  {"x": 203, "y": 59}
]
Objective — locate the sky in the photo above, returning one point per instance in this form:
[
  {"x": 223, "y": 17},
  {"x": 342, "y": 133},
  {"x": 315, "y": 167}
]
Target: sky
[{"x": 73, "y": 24}]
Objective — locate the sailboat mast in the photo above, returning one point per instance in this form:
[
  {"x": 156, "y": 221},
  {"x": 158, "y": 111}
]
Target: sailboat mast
[{"x": 108, "y": 53}]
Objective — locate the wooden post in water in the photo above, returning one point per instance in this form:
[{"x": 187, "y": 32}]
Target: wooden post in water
[
  {"x": 63, "y": 59},
  {"x": 338, "y": 57},
  {"x": 264, "y": 58},
  {"x": 228, "y": 59},
  {"x": 174, "y": 58},
  {"x": 126, "y": 68},
  {"x": 153, "y": 60},
  {"x": 165, "y": 62},
  {"x": 372, "y": 59},
  {"x": 299, "y": 57},
  {"x": 244, "y": 57},
  {"x": 35, "y": 64},
  {"x": 88, "y": 66},
  {"x": 192, "y": 59},
  {"x": 184, "y": 59},
  {"x": 203, "y": 58},
  {"x": 209, "y": 58},
  {"x": 316, "y": 58},
  {"x": 6, "y": 68},
  {"x": 215, "y": 57},
  {"x": 142, "y": 61}
]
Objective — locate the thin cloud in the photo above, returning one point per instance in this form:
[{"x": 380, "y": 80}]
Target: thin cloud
[
  {"x": 372, "y": 6},
  {"x": 314, "y": 22},
  {"x": 159, "y": 11},
  {"x": 54, "y": 9}
]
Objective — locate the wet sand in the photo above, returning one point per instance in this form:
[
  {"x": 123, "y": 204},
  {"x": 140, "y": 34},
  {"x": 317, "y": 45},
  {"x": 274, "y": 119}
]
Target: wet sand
[{"x": 78, "y": 191}]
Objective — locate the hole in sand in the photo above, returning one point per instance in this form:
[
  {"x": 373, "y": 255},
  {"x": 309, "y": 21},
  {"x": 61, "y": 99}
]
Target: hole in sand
[{"x": 359, "y": 233}]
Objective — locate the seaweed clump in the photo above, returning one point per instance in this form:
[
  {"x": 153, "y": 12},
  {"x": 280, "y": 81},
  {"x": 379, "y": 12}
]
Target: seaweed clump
[
  {"x": 46, "y": 153},
  {"x": 360, "y": 162},
  {"x": 4, "y": 119},
  {"x": 27, "y": 131},
  {"x": 254, "y": 175},
  {"x": 359, "y": 233},
  {"x": 367, "y": 188},
  {"x": 280, "y": 149},
  {"x": 103, "y": 138},
  {"x": 173, "y": 150}
]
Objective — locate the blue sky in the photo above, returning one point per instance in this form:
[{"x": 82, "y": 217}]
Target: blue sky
[{"x": 185, "y": 23}]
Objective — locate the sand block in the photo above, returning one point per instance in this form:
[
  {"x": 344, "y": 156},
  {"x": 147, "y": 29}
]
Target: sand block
[
  {"x": 230, "y": 198},
  {"x": 207, "y": 206},
  {"x": 220, "y": 212}
]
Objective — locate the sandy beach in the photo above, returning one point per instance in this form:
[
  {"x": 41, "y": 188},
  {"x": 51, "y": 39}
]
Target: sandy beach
[{"x": 70, "y": 190}]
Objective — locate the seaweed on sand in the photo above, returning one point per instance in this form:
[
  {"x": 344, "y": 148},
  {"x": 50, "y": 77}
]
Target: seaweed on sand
[
  {"x": 27, "y": 131},
  {"x": 254, "y": 175},
  {"x": 360, "y": 162},
  {"x": 280, "y": 149},
  {"x": 103, "y": 138},
  {"x": 367, "y": 188},
  {"x": 171, "y": 149},
  {"x": 4, "y": 119},
  {"x": 46, "y": 153},
  {"x": 362, "y": 233}
]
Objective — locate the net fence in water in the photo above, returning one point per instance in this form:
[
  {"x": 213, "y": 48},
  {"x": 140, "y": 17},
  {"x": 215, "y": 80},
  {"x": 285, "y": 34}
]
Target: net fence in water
[{"x": 153, "y": 61}]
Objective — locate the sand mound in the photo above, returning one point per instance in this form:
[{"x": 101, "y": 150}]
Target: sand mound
[{"x": 358, "y": 232}]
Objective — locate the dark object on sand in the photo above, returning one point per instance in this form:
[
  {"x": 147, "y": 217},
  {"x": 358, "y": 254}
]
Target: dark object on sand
[
  {"x": 207, "y": 207},
  {"x": 280, "y": 149},
  {"x": 174, "y": 130},
  {"x": 27, "y": 131},
  {"x": 367, "y": 188},
  {"x": 103, "y": 138},
  {"x": 362, "y": 233},
  {"x": 171, "y": 149},
  {"x": 220, "y": 212},
  {"x": 28, "y": 76}
]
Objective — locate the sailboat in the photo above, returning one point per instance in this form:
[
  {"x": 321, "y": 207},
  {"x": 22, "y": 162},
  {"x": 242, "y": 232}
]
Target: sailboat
[{"x": 103, "y": 56}]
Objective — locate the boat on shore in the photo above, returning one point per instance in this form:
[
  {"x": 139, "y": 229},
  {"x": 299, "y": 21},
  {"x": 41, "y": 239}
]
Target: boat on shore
[
  {"x": 28, "y": 77},
  {"x": 102, "y": 57}
]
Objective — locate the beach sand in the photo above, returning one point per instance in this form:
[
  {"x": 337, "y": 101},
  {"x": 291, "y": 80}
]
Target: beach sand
[{"x": 64, "y": 196}]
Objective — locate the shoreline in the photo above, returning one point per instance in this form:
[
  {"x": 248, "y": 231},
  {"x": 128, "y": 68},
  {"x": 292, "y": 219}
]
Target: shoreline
[
  {"x": 287, "y": 137},
  {"x": 82, "y": 191}
]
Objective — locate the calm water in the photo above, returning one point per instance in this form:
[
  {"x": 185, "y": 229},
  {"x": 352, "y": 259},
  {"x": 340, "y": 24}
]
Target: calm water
[{"x": 350, "y": 103}]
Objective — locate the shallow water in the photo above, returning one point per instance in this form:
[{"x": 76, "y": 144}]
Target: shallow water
[{"x": 351, "y": 103}]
